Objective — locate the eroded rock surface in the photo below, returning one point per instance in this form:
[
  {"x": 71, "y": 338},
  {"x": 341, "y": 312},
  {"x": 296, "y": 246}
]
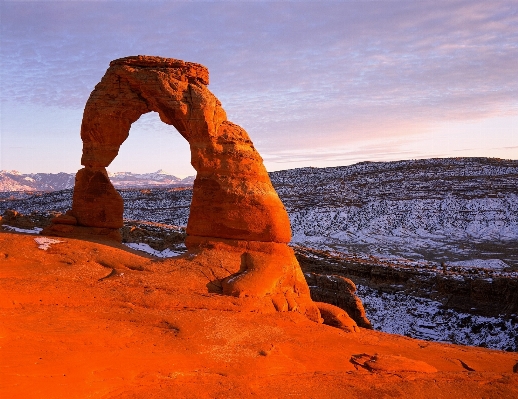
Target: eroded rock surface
[
  {"x": 84, "y": 320},
  {"x": 340, "y": 292},
  {"x": 337, "y": 317}
]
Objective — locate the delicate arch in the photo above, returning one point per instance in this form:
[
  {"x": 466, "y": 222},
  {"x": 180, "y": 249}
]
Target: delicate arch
[
  {"x": 237, "y": 227},
  {"x": 232, "y": 196}
]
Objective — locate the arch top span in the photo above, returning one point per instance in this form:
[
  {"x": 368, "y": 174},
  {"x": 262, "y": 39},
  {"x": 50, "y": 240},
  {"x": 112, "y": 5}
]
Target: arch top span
[
  {"x": 191, "y": 70},
  {"x": 132, "y": 86}
]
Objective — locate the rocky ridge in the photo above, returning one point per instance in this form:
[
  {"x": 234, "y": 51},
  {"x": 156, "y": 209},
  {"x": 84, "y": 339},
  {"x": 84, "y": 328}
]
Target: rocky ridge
[{"x": 434, "y": 209}]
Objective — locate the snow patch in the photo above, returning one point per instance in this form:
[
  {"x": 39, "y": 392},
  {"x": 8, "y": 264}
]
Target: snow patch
[
  {"x": 166, "y": 253},
  {"x": 495, "y": 264},
  {"x": 45, "y": 242},
  {"x": 422, "y": 318},
  {"x": 35, "y": 230}
]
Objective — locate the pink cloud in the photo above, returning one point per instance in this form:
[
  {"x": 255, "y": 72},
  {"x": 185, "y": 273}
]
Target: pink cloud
[{"x": 292, "y": 73}]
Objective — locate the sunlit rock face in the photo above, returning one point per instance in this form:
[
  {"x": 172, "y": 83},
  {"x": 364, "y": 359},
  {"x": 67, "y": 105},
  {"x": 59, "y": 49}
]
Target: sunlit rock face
[
  {"x": 233, "y": 197},
  {"x": 235, "y": 209}
]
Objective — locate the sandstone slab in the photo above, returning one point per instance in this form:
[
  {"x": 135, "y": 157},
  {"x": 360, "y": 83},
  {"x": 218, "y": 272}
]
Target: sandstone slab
[{"x": 82, "y": 319}]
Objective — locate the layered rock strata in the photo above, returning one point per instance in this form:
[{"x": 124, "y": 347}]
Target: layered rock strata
[{"x": 234, "y": 208}]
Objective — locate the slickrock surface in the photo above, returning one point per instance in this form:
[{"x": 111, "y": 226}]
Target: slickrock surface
[{"x": 86, "y": 320}]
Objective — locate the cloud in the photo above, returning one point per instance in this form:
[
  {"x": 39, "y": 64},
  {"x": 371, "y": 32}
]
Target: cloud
[{"x": 291, "y": 73}]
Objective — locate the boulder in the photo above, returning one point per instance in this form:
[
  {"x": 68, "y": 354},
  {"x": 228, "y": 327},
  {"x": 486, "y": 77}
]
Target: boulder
[
  {"x": 339, "y": 291},
  {"x": 337, "y": 317}
]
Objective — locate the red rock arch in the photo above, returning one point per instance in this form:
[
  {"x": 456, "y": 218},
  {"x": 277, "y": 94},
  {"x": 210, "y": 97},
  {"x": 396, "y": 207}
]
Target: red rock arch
[
  {"x": 232, "y": 195},
  {"x": 237, "y": 228}
]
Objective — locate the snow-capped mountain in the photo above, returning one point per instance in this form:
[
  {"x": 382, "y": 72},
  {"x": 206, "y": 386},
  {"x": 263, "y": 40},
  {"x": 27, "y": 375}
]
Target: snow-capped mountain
[
  {"x": 15, "y": 181},
  {"x": 159, "y": 178}
]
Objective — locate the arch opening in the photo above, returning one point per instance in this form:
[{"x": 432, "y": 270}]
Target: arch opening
[
  {"x": 160, "y": 186},
  {"x": 152, "y": 146}
]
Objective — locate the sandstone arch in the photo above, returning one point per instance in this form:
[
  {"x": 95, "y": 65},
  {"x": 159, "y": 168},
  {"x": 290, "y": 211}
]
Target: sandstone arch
[
  {"x": 232, "y": 196},
  {"x": 236, "y": 215}
]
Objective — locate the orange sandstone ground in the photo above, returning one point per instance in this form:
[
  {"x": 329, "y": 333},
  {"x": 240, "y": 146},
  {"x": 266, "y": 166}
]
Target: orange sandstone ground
[{"x": 90, "y": 320}]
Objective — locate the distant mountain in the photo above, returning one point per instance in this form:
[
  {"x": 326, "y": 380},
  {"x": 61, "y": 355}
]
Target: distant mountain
[
  {"x": 160, "y": 178},
  {"x": 16, "y": 181}
]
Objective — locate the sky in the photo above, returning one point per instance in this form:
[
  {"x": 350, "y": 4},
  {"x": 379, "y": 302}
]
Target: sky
[{"x": 317, "y": 84}]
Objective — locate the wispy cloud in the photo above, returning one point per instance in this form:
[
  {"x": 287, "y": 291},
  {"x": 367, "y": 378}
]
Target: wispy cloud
[{"x": 291, "y": 73}]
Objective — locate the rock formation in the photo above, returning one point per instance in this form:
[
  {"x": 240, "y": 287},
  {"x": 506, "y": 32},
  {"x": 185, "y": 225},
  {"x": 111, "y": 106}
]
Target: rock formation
[
  {"x": 233, "y": 197},
  {"x": 234, "y": 205},
  {"x": 336, "y": 317},
  {"x": 338, "y": 291},
  {"x": 13, "y": 218}
]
